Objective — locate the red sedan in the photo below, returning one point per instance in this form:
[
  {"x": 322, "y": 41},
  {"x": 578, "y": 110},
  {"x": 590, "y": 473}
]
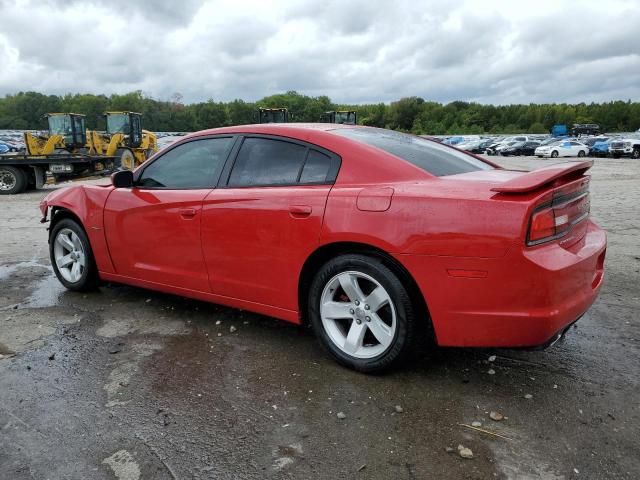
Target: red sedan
[{"x": 368, "y": 234}]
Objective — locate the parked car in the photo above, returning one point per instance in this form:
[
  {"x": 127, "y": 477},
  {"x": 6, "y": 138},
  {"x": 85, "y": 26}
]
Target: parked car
[
  {"x": 495, "y": 148},
  {"x": 625, "y": 147},
  {"x": 600, "y": 148},
  {"x": 369, "y": 235},
  {"x": 520, "y": 148},
  {"x": 482, "y": 148},
  {"x": 453, "y": 140},
  {"x": 564, "y": 148},
  {"x": 585, "y": 129},
  {"x": 498, "y": 149},
  {"x": 474, "y": 146},
  {"x": 11, "y": 144}
]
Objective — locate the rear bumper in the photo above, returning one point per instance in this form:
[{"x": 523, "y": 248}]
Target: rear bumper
[{"x": 520, "y": 300}]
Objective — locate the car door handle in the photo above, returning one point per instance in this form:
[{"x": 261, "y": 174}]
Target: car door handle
[
  {"x": 187, "y": 213},
  {"x": 300, "y": 211}
]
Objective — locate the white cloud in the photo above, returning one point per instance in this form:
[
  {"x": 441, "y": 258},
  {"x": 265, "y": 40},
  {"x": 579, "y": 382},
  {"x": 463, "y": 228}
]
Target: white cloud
[{"x": 354, "y": 51}]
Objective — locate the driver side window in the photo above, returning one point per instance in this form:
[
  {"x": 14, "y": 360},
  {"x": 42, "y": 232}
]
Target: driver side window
[{"x": 191, "y": 165}]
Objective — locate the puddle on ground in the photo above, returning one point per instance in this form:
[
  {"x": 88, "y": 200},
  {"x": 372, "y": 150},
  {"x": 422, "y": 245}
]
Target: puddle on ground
[
  {"x": 8, "y": 270},
  {"x": 148, "y": 324},
  {"x": 46, "y": 293},
  {"x": 120, "y": 376}
]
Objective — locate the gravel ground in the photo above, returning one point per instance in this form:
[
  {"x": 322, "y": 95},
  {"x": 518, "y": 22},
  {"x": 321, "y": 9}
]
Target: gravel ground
[{"x": 126, "y": 383}]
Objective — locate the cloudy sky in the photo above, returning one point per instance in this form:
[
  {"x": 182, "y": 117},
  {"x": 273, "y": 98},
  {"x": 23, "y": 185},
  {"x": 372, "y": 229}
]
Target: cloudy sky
[{"x": 352, "y": 50}]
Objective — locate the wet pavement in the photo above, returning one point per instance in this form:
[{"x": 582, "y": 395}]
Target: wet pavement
[{"x": 126, "y": 383}]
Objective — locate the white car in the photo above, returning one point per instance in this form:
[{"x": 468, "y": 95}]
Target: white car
[{"x": 563, "y": 148}]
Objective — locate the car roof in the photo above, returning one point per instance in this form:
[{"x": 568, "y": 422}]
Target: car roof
[{"x": 274, "y": 128}]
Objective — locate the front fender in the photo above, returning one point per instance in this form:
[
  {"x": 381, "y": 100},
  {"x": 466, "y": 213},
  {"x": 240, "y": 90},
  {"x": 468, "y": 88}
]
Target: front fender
[{"x": 86, "y": 203}]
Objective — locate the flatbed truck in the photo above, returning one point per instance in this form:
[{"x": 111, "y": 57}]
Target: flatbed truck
[{"x": 28, "y": 172}]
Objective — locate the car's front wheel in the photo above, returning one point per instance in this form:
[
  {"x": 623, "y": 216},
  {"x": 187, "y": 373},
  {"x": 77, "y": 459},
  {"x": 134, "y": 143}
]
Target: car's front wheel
[
  {"x": 361, "y": 312},
  {"x": 72, "y": 257}
]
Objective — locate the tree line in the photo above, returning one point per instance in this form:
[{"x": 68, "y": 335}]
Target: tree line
[{"x": 24, "y": 110}]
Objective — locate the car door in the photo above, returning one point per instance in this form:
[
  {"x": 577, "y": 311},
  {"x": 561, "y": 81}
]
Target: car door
[
  {"x": 153, "y": 229},
  {"x": 576, "y": 148},
  {"x": 264, "y": 220},
  {"x": 565, "y": 149}
]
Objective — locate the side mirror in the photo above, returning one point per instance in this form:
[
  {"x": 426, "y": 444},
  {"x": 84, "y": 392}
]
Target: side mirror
[{"x": 122, "y": 179}]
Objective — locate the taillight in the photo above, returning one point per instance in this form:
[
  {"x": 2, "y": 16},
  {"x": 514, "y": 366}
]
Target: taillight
[
  {"x": 554, "y": 218},
  {"x": 543, "y": 225}
]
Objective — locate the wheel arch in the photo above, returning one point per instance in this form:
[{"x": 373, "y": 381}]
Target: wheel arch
[
  {"x": 328, "y": 251},
  {"x": 59, "y": 213}
]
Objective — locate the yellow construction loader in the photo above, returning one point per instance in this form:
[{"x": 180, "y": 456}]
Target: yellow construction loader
[
  {"x": 273, "y": 115},
  {"x": 125, "y": 139},
  {"x": 67, "y": 134}
]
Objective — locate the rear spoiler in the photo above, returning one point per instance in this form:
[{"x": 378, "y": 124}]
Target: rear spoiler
[{"x": 533, "y": 180}]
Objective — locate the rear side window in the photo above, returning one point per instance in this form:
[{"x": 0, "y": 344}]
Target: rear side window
[
  {"x": 315, "y": 168},
  {"x": 190, "y": 165},
  {"x": 432, "y": 157}
]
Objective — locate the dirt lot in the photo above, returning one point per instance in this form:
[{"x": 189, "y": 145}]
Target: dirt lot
[{"x": 126, "y": 383}]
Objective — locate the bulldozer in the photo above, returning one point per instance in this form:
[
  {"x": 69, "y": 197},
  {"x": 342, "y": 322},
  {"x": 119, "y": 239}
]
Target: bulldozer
[
  {"x": 124, "y": 139},
  {"x": 346, "y": 117},
  {"x": 273, "y": 115},
  {"x": 67, "y": 133}
]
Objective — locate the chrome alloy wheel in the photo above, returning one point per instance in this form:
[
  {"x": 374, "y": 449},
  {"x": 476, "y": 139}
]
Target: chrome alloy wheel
[
  {"x": 69, "y": 254},
  {"x": 7, "y": 180},
  {"x": 358, "y": 314}
]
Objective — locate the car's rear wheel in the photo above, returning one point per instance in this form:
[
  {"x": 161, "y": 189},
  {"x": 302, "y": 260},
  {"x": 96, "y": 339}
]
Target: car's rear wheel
[
  {"x": 554, "y": 154},
  {"x": 581, "y": 153},
  {"x": 361, "y": 312},
  {"x": 72, "y": 257}
]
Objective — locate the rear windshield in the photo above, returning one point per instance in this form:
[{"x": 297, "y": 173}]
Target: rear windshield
[{"x": 432, "y": 157}]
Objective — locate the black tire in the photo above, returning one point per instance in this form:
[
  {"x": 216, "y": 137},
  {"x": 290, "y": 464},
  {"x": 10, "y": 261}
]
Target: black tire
[
  {"x": 405, "y": 333},
  {"x": 89, "y": 279},
  {"x": 581, "y": 154},
  {"x": 125, "y": 159},
  {"x": 636, "y": 153},
  {"x": 616, "y": 155},
  {"x": 554, "y": 154},
  {"x": 12, "y": 180}
]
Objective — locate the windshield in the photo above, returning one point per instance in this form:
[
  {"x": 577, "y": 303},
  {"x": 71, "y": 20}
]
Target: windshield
[
  {"x": 348, "y": 118},
  {"x": 60, "y": 125},
  {"x": 431, "y": 157},
  {"x": 272, "y": 116},
  {"x": 118, "y": 123}
]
